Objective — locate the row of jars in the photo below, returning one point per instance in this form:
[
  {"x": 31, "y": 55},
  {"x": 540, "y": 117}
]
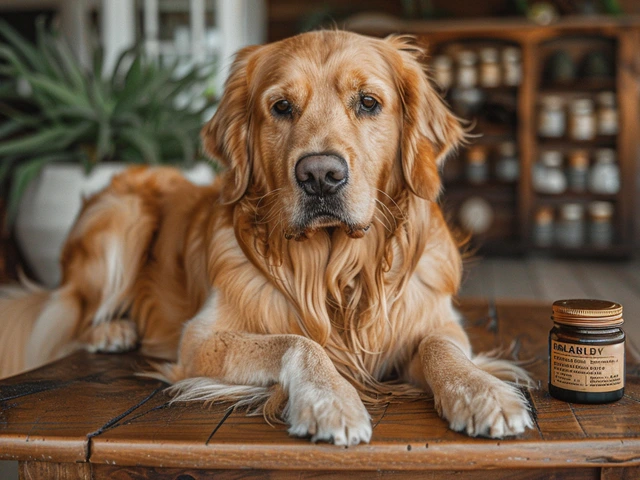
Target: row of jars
[
  {"x": 580, "y": 118},
  {"x": 570, "y": 226},
  {"x": 561, "y": 67},
  {"x": 551, "y": 176},
  {"x": 495, "y": 67},
  {"x": 507, "y": 165}
]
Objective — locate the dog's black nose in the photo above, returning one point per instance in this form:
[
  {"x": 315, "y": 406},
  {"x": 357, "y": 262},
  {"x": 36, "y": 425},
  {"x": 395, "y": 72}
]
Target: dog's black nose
[{"x": 321, "y": 174}]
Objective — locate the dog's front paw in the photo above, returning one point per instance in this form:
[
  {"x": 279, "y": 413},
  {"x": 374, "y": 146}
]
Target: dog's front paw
[
  {"x": 483, "y": 405},
  {"x": 332, "y": 416},
  {"x": 114, "y": 336}
]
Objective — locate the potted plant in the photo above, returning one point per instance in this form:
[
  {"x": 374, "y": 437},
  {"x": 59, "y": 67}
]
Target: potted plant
[{"x": 69, "y": 129}]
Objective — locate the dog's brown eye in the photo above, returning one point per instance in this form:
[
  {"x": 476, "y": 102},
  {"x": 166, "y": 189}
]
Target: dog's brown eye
[
  {"x": 282, "y": 108},
  {"x": 368, "y": 104}
]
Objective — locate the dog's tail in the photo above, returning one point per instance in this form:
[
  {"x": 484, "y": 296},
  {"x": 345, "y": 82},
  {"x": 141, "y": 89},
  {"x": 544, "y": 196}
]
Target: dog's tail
[{"x": 36, "y": 326}]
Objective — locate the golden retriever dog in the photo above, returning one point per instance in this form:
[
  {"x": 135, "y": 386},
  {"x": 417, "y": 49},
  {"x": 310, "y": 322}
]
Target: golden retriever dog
[{"x": 316, "y": 273}]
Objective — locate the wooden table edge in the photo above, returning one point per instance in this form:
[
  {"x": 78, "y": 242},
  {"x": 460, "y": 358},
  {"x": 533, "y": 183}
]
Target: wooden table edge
[
  {"x": 16, "y": 447},
  {"x": 487, "y": 454}
]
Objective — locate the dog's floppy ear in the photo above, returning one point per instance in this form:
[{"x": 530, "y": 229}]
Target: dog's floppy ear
[
  {"x": 225, "y": 136},
  {"x": 429, "y": 130}
]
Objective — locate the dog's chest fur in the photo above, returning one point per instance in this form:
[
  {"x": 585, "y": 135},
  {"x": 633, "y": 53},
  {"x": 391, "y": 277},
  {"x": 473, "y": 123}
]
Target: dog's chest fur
[{"x": 335, "y": 290}]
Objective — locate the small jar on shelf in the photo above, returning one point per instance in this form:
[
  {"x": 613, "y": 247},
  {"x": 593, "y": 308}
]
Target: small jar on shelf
[
  {"x": 507, "y": 166},
  {"x": 490, "y": 75},
  {"x": 443, "y": 71},
  {"x": 476, "y": 215},
  {"x": 543, "y": 226},
  {"x": 552, "y": 121},
  {"x": 601, "y": 224},
  {"x": 467, "y": 69},
  {"x": 578, "y": 170},
  {"x": 604, "y": 176},
  {"x": 607, "y": 114},
  {"x": 511, "y": 67},
  {"x": 548, "y": 176},
  {"x": 583, "y": 120},
  {"x": 570, "y": 231},
  {"x": 477, "y": 164}
]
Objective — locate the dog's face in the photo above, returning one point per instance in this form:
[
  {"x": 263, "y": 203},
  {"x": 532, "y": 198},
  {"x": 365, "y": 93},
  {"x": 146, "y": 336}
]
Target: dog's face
[{"x": 325, "y": 124}]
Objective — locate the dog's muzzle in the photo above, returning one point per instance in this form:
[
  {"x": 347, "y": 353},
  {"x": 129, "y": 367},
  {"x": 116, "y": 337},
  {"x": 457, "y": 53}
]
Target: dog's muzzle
[{"x": 322, "y": 179}]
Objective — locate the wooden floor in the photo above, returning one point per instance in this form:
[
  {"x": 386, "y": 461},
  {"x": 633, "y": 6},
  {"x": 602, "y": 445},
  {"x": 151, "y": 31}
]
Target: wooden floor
[{"x": 548, "y": 280}]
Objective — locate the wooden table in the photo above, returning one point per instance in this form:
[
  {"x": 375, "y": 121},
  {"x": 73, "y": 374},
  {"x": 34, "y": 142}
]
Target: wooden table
[{"x": 88, "y": 416}]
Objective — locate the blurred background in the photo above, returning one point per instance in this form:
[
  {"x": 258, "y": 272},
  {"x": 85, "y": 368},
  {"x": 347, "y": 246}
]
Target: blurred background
[{"x": 547, "y": 190}]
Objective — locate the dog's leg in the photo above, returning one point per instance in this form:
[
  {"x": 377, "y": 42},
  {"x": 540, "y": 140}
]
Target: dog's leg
[
  {"x": 101, "y": 262},
  {"x": 470, "y": 399},
  {"x": 321, "y": 402}
]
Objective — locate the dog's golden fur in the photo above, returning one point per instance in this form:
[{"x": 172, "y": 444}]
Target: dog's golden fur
[{"x": 278, "y": 295}]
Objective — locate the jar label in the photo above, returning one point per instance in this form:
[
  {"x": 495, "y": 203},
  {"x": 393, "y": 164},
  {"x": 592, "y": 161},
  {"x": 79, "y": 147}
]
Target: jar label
[{"x": 586, "y": 368}]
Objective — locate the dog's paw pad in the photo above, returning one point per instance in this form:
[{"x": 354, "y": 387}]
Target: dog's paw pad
[
  {"x": 114, "y": 336},
  {"x": 337, "y": 417},
  {"x": 489, "y": 408}
]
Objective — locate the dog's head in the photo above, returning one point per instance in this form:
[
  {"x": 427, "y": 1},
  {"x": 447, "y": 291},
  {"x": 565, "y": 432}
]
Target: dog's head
[{"x": 328, "y": 123}]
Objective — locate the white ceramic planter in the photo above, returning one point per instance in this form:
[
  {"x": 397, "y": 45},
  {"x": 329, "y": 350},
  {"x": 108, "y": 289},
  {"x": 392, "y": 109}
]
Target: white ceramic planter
[{"x": 51, "y": 203}]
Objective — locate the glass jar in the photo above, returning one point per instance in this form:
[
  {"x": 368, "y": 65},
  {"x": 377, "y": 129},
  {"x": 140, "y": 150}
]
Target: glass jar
[
  {"x": 548, "y": 176},
  {"x": 552, "y": 121},
  {"x": 570, "y": 231},
  {"x": 443, "y": 71},
  {"x": 476, "y": 215},
  {"x": 560, "y": 68},
  {"x": 601, "y": 224},
  {"x": 467, "y": 72},
  {"x": 607, "y": 114},
  {"x": 490, "y": 75},
  {"x": 604, "y": 177},
  {"x": 586, "y": 351},
  {"x": 511, "y": 67},
  {"x": 467, "y": 102},
  {"x": 477, "y": 167},
  {"x": 583, "y": 120},
  {"x": 578, "y": 170},
  {"x": 543, "y": 227},
  {"x": 508, "y": 166}
]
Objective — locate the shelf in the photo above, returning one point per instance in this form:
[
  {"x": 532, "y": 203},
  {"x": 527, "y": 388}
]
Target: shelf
[
  {"x": 458, "y": 190},
  {"x": 512, "y": 90},
  {"x": 566, "y": 197},
  {"x": 491, "y": 132},
  {"x": 609, "y": 141},
  {"x": 502, "y": 248},
  {"x": 491, "y": 140},
  {"x": 619, "y": 251},
  {"x": 588, "y": 86},
  {"x": 514, "y": 112}
]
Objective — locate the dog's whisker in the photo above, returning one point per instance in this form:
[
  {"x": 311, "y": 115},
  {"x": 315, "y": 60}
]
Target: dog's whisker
[
  {"x": 273, "y": 211},
  {"x": 389, "y": 213},
  {"x": 391, "y": 227},
  {"x": 395, "y": 223},
  {"x": 258, "y": 206},
  {"x": 275, "y": 227},
  {"x": 400, "y": 210},
  {"x": 384, "y": 224}
]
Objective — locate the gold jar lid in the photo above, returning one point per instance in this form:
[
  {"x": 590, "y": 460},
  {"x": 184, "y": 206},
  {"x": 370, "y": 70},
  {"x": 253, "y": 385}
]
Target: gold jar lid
[{"x": 587, "y": 313}]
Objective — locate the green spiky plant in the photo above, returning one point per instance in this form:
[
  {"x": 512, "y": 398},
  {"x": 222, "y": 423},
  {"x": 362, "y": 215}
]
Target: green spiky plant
[{"x": 69, "y": 114}]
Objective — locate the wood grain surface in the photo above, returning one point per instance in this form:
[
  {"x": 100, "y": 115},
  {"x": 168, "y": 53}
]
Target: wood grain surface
[{"x": 93, "y": 410}]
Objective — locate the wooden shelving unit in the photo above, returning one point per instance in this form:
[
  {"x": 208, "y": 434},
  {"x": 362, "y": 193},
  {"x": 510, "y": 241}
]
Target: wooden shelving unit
[{"x": 514, "y": 205}]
